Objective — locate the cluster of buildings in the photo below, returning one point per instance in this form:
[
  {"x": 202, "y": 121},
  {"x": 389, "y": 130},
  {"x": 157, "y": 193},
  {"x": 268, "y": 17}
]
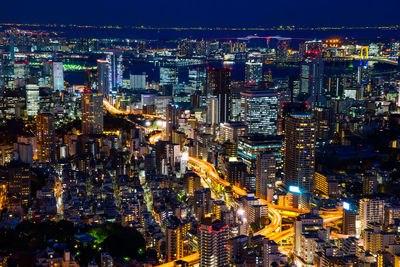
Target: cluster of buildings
[{"x": 211, "y": 169}]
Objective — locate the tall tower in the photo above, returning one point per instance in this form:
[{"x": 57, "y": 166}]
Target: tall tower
[
  {"x": 265, "y": 173},
  {"x": 219, "y": 85},
  {"x": 45, "y": 137},
  {"x": 12, "y": 48},
  {"x": 172, "y": 115},
  {"x": 174, "y": 238},
  {"x": 300, "y": 138},
  {"x": 32, "y": 99},
  {"x": 115, "y": 59},
  {"x": 253, "y": 72},
  {"x": 58, "y": 76},
  {"x": 312, "y": 71},
  {"x": 213, "y": 241},
  {"x": 260, "y": 111},
  {"x": 92, "y": 112},
  {"x": 104, "y": 83}
]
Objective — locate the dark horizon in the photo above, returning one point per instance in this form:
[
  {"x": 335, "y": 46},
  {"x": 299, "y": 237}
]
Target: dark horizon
[{"x": 207, "y": 13}]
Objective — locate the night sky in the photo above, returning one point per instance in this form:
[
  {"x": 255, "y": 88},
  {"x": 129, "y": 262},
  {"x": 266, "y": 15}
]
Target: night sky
[{"x": 203, "y": 13}]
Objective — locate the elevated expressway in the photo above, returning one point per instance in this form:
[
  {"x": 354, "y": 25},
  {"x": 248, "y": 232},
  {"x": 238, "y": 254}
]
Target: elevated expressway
[{"x": 207, "y": 170}]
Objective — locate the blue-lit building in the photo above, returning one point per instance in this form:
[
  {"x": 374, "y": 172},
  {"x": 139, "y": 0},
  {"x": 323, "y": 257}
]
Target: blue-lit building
[{"x": 260, "y": 111}]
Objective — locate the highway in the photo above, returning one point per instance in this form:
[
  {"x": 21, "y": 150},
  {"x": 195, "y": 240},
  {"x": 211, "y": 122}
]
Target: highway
[{"x": 275, "y": 212}]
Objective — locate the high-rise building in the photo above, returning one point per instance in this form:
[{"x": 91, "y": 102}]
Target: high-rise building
[
  {"x": 371, "y": 211},
  {"x": 197, "y": 79},
  {"x": 138, "y": 81},
  {"x": 104, "y": 83},
  {"x": 324, "y": 119},
  {"x": 174, "y": 242},
  {"x": 212, "y": 116},
  {"x": 115, "y": 59},
  {"x": 213, "y": 241},
  {"x": 19, "y": 182},
  {"x": 230, "y": 131},
  {"x": 349, "y": 221},
  {"x": 58, "y": 76},
  {"x": 311, "y": 48},
  {"x": 219, "y": 85},
  {"x": 168, "y": 76},
  {"x": 299, "y": 157},
  {"x": 312, "y": 71},
  {"x": 92, "y": 112},
  {"x": 248, "y": 149},
  {"x": 259, "y": 111},
  {"x": 370, "y": 183},
  {"x": 282, "y": 50},
  {"x": 265, "y": 174},
  {"x": 45, "y": 137},
  {"x": 253, "y": 72},
  {"x": 172, "y": 115},
  {"x": 32, "y": 99}
]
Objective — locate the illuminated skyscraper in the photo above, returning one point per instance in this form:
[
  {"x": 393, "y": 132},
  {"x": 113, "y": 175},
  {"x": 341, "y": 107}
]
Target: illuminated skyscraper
[
  {"x": 282, "y": 50},
  {"x": 265, "y": 174},
  {"x": 219, "y": 85},
  {"x": 349, "y": 220},
  {"x": 114, "y": 57},
  {"x": 168, "y": 76},
  {"x": 213, "y": 241},
  {"x": 300, "y": 138},
  {"x": 253, "y": 72},
  {"x": 260, "y": 111},
  {"x": 45, "y": 137},
  {"x": 138, "y": 81},
  {"x": 58, "y": 76},
  {"x": 174, "y": 240},
  {"x": 312, "y": 71},
  {"x": 92, "y": 112},
  {"x": 104, "y": 84},
  {"x": 172, "y": 115},
  {"x": 212, "y": 110},
  {"x": 32, "y": 99},
  {"x": 20, "y": 182}
]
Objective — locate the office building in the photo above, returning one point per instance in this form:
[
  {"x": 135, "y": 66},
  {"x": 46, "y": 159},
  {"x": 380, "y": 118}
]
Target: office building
[
  {"x": 249, "y": 148},
  {"x": 138, "y": 81},
  {"x": 312, "y": 71},
  {"x": 104, "y": 83},
  {"x": 172, "y": 115},
  {"x": 32, "y": 99},
  {"x": 58, "y": 76},
  {"x": 92, "y": 112},
  {"x": 219, "y": 85},
  {"x": 168, "y": 76},
  {"x": 213, "y": 241},
  {"x": 349, "y": 221},
  {"x": 300, "y": 141},
  {"x": 230, "y": 131},
  {"x": 45, "y": 137},
  {"x": 259, "y": 111},
  {"x": 114, "y": 57},
  {"x": 212, "y": 116},
  {"x": 19, "y": 182},
  {"x": 253, "y": 72},
  {"x": 265, "y": 174}
]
